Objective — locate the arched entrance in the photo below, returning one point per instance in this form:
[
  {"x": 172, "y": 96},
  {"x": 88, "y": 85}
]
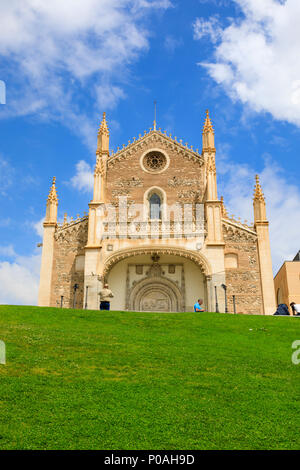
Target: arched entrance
[{"x": 168, "y": 279}]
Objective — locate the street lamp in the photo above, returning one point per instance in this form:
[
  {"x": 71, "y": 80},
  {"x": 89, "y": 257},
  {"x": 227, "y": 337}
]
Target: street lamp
[
  {"x": 217, "y": 305},
  {"x": 225, "y": 291},
  {"x": 75, "y": 289}
]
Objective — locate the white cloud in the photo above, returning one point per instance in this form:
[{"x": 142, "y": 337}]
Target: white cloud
[
  {"x": 172, "y": 43},
  {"x": 108, "y": 96},
  {"x": 7, "y": 251},
  {"x": 209, "y": 27},
  {"x": 83, "y": 179},
  {"x": 282, "y": 201},
  {"x": 38, "y": 227},
  {"x": 255, "y": 58},
  {"x": 19, "y": 280},
  {"x": 59, "y": 51}
]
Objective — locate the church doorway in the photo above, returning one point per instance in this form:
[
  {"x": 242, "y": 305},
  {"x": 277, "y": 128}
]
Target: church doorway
[{"x": 156, "y": 282}]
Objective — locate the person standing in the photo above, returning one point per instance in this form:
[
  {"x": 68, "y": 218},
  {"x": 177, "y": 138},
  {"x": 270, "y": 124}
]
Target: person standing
[
  {"x": 105, "y": 297},
  {"x": 198, "y": 307}
]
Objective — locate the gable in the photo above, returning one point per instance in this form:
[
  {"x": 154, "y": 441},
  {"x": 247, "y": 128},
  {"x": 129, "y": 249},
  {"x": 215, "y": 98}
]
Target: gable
[{"x": 178, "y": 170}]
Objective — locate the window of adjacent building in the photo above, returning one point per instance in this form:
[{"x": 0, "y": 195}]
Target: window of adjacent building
[{"x": 155, "y": 207}]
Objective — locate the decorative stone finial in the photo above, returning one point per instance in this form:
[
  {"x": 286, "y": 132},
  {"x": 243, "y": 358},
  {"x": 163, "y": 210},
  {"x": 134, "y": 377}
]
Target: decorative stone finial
[
  {"x": 103, "y": 129},
  {"x": 154, "y": 122},
  {"x": 208, "y": 127},
  {"x": 53, "y": 194},
  {"x": 155, "y": 258},
  {"x": 258, "y": 194}
]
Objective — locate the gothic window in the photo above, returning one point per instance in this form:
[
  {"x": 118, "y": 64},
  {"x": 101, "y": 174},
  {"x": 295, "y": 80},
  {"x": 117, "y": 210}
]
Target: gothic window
[
  {"x": 155, "y": 207},
  {"x": 155, "y": 162}
]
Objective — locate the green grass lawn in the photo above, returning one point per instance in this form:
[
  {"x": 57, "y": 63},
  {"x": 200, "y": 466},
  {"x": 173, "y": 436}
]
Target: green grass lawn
[{"x": 89, "y": 380}]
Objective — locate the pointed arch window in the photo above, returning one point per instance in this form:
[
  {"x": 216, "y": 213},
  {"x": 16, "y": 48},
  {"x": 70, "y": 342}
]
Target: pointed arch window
[{"x": 155, "y": 207}]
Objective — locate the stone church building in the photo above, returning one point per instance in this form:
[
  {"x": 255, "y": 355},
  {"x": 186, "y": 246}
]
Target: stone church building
[{"x": 159, "y": 234}]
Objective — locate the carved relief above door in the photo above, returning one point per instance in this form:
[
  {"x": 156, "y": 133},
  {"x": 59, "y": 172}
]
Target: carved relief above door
[
  {"x": 155, "y": 300},
  {"x": 155, "y": 295}
]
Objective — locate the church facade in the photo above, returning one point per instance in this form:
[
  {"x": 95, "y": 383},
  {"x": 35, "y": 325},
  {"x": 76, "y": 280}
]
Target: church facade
[{"x": 159, "y": 234}]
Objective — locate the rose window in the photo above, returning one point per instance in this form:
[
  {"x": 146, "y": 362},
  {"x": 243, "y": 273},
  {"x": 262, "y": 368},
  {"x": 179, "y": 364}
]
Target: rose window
[{"x": 155, "y": 161}]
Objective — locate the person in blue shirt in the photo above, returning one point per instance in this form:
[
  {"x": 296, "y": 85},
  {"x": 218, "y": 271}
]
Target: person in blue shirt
[{"x": 198, "y": 307}]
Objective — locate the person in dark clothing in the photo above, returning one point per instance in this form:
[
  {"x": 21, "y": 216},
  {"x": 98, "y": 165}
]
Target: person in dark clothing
[{"x": 282, "y": 309}]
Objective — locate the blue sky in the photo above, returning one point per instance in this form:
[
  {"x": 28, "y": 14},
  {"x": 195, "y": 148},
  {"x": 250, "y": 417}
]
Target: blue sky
[{"x": 65, "y": 62}]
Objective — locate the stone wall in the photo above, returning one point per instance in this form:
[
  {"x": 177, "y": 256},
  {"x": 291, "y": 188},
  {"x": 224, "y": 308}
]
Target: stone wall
[
  {"x": 183, "y": 179},
  {"x": 243, "y": 281},
  {"x": 69, "y": 243}
]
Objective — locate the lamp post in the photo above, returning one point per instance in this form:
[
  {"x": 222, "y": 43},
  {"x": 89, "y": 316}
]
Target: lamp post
[
  {"x": 225, "y": 291},
  {"x": 75, "y": 289},
  {"x": 217, "y": 305},
  {"x": 234, "y": 307},
  {"x": 86, "y": 297}
]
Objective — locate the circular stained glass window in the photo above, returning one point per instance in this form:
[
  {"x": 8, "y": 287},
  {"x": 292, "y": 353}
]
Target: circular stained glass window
[{"x": 155, "y": 161}]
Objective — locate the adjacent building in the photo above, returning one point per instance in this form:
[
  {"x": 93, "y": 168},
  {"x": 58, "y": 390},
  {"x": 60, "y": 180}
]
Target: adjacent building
[{"x": 287, "y": 282}]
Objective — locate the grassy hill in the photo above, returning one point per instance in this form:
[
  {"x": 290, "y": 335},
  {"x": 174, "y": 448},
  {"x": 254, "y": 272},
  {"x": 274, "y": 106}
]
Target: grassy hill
[{"x": 89, "y": 380}]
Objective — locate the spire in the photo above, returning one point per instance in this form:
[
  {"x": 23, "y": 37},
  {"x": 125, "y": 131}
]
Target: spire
[
  {"x": 261, "y": 226},
  {"x": 52, "y": 198},
  {"x": 154, "y": 122},
  {"x": 258, "y": 194},
  {"x": 102, "y": 154},
  {"x": 52, "y": 203},
  {"x": 103, "y": 129},
  {"x": 208, "y": 127},
  {"x": 259, "y": 203},
  {"x": 208, "y": 134},
  {"x": 103, "y": 136}
]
